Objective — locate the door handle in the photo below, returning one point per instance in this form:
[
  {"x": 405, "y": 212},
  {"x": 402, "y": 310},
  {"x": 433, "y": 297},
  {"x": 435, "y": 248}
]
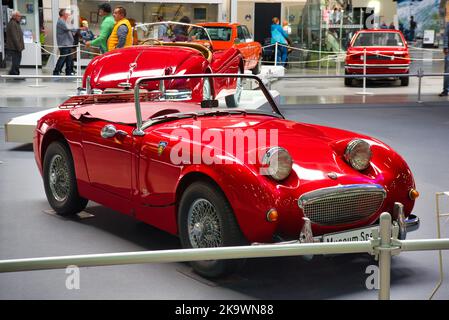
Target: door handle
[{"x": 109, "y": 131}]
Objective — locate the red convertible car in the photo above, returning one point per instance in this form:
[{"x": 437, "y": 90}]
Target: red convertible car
[
  {"x": 118, "y": 70},
  {"x": 386, "y": 53},
  {"x": 218, "y": 176}
]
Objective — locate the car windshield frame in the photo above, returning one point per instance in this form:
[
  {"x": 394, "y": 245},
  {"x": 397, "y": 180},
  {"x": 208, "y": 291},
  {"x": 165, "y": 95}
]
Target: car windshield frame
[
  {"x": 217, "y": 27},
  {"x": 399, "y": 42},
  {"x": 140, "y": 125},
  {"x": 151, "y": 24}
]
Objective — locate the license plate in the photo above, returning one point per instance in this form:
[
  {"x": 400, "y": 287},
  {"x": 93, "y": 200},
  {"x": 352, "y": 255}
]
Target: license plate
[{"x": 361, "y": 234}]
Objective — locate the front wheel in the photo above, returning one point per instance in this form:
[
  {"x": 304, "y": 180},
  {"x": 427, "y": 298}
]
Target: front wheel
[
  {"x": 256, "y": 70},
  {"x": 60, "y": 180},
  {"x": 348, "y": 81},
  {"x": 205, "y": 220},
  {"x": 404, "y": 81}
]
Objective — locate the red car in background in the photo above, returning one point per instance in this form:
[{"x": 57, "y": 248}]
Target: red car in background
[
  {"x": 386, "y": 53},
  {"x": 234, "y": 35}
]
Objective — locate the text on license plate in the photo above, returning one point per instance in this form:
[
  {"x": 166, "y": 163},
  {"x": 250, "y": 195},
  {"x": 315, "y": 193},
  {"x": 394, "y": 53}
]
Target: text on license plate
[{"x": 362, "y": 234}]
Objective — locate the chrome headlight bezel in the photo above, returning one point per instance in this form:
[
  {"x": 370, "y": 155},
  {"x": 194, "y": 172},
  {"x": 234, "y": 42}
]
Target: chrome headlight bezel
[
  {"x": 358, "y": 154},
  {"x": 277, "y": 163}
]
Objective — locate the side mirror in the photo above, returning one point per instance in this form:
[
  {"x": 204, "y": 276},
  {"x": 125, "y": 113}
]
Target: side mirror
[{"x": 236, "y": 41}]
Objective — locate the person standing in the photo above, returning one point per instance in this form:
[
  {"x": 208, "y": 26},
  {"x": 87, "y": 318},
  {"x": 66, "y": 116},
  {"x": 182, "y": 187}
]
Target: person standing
[
  {"x": 413, "y": 26},
  {"x": 107, "y": 24},
  {"x": 121, "y": 35},
  {"x": 278, "y": 35},
  {"x": 162, "y": 31},
  {"x": 445, "y": 91},
  {"x": 65, "y": 40},
  {"x": 181, "y": 32},
  {"x": 14, "y": 43}
]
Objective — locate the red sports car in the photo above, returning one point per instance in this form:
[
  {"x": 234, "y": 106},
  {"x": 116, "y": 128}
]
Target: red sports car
[
  {"x": 118, "y": 70},
  {"x": 217, "y": 176},
  {"x": 386, "y": 53}
]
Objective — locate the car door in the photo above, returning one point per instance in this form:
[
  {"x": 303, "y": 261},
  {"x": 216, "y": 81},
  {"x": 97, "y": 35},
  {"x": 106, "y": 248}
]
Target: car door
[{"x": 109, "y": 156}]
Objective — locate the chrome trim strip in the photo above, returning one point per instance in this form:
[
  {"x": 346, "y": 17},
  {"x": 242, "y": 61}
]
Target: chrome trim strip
[{"x": 326, "y": 192}]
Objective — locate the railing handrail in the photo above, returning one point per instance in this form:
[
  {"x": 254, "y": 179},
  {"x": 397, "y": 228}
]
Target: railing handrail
[{"x": 382, "y": 245}]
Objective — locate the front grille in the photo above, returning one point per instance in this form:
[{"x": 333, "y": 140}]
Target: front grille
[{"x": 342, "y": 204}]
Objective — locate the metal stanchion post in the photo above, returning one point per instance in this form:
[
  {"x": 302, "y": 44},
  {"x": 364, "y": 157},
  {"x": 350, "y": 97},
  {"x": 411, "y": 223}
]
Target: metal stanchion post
[
  {"x": 385, "y": 256},
  {"x": 276, "y": 54},
  {"x": 320, "y": 44},
  {"x": 36, "y": 85},
  {"x": 364, "y": 75},
  {"x": 78, "y": 64},
  {"x": 420, "y": 72}
]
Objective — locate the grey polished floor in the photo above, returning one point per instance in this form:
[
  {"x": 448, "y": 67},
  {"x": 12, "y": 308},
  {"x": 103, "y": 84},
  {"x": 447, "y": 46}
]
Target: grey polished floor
[{"x": 418, "y": 132}]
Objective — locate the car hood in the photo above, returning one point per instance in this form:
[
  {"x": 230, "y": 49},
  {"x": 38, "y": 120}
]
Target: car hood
[{"x": 315, "y": 150}]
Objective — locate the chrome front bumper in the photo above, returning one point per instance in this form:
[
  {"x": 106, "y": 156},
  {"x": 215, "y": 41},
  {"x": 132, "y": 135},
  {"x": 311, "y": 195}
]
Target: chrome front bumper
[{"x": 405, "y": 225}]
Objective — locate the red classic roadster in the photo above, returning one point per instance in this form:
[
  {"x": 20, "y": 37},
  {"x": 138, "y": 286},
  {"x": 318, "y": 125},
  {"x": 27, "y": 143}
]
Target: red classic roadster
[
  {"x": 219, "y": 176},
  {"x": 118, "y": 70}
]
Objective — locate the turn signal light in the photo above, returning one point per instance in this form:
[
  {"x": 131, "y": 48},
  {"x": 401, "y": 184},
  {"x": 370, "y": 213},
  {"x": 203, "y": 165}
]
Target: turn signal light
[
  {"x": 272, "y": 215},
  {"x": 413, "y": 194}
]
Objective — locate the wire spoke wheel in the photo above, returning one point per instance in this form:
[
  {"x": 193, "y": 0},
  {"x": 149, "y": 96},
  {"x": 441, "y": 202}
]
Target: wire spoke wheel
[
  {"x": 59, "y": 178},
  {"x": 204, "y": 225}
]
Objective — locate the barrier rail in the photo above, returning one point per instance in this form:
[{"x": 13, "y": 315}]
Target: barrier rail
[
  {"x": 420, "y": 74},
  {"x": 383, "y": 246}
]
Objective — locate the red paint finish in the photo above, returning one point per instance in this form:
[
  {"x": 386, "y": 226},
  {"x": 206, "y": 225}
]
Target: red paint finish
[
  {"x": 112, "y": 68},
  {"x": 131, "y": 175},
  {"x": 378, "y": 59}
]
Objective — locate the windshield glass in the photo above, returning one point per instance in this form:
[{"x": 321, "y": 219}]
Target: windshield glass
[
  {"x": 215, "y": 33},
  {"x": 187, "y": 95},
  {"x": 378, "y": 39},
  {"x": 152, "y": 33}
]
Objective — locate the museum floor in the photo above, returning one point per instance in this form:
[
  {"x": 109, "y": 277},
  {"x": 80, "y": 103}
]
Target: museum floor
[{"x": 417, "y": 131}]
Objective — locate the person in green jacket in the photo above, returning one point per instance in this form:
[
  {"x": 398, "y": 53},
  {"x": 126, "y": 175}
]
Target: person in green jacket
[{"x": 106, "y": 27}]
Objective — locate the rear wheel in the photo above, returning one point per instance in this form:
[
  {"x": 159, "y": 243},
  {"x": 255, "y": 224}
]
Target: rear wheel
[
  {"x": 205, "y": 219},
  {"x": 233, "y": 100},
  {"x": 60, "y": 180}
]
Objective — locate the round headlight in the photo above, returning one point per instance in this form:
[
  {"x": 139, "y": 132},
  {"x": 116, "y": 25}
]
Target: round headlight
[
  {"x": 358, "y": 154},
  {"x": 277, "y": 163}
]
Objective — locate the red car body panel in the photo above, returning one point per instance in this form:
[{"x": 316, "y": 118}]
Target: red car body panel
[
  {"x": 251, "y": 51},
  {"x": 128, "y": 174},
  {"x": 378, "y": 61}
]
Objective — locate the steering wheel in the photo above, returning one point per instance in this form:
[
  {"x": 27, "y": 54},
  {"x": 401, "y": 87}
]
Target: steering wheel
[{"x": 151, "y": 40}]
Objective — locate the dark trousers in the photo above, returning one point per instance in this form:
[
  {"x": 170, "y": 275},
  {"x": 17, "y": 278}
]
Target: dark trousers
[
  {"x": 446, "y": 70},
  {"x": 16, "y": 59},
  {"x": 65, "y": 58}
]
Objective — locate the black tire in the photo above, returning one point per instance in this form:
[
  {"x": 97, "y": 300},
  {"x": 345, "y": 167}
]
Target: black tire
[
  {"x": 404, "y": 81},
  {"x": 257, "y": 68},
  {"x": 229, "y": 234},
  {"x": 67, "y": 201},
  {"x": 348, "y": 81}
]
